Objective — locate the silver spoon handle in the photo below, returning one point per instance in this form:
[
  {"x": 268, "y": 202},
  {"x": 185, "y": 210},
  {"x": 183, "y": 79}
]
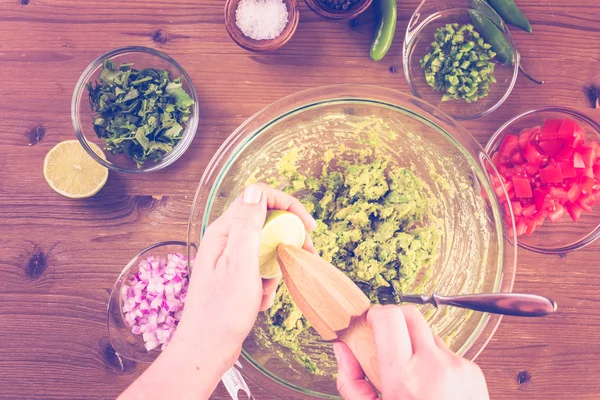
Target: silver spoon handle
[{"x": 520, "y": 305}]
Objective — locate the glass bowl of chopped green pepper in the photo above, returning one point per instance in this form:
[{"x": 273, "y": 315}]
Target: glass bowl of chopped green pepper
[
  {"x": 139, "y": 105},
  {"x": 460, "y": 57},
  {"x": 402, "y": 202}
]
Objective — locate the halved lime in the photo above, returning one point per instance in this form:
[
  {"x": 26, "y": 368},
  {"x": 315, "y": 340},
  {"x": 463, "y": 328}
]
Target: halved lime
[
  {"x": 72, "y": 172},
  {"x": 281, "y": 227}
]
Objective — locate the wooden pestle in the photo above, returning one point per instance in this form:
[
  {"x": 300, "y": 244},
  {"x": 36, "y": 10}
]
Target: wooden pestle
[{"x": 332, "y": 303}]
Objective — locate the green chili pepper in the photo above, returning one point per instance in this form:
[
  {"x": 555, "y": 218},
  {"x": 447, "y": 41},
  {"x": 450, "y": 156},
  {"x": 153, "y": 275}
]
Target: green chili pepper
[
  {"x": 510, "y": 13},
  {"x": 386, "y": 28},
  {"x": 459, "y": 63},
  {"x": 493, "y": 35}
]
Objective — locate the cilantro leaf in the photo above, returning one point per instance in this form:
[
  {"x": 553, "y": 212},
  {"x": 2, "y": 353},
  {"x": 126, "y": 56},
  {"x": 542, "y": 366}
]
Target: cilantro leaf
[{"x": 141, "y": 113}]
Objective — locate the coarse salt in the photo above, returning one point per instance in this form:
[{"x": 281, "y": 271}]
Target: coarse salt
[{"x": 261, "y": 19}]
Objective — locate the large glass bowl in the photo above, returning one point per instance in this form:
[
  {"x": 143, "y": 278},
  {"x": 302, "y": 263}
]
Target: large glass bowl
[
  {"x": 82, "y": 115},
  {"x": 431, "y": 15},
  {"x": 474, "y": 257}
]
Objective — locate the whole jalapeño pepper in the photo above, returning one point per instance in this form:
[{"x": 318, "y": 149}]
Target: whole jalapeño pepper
[
  {"x": 511, "y": 14},
  {"x": 487, "y": 24},
  {"x": 387, "y": 14}
]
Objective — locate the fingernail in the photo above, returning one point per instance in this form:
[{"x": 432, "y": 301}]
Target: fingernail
[{"x": 252, "y": 194}]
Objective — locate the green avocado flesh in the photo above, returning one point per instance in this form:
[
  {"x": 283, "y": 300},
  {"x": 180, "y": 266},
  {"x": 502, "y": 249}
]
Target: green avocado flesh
[{"x": 374, "y": 223}]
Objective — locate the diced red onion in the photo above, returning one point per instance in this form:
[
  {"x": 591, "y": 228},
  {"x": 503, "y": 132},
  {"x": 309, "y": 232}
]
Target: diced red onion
[
  {"x": 151, "y": 345},
  {"x": 153, "y": 299}
]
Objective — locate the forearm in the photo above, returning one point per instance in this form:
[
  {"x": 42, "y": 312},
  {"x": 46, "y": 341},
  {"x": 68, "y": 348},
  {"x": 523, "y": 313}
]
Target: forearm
[{"x": 180, "y": 373}]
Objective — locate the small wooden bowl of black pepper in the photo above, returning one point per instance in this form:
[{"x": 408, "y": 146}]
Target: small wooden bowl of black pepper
[{"x": 339, "y": 9}]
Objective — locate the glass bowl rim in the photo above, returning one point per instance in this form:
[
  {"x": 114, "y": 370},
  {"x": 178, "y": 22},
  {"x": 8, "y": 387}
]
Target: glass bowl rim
[
  {"x": 493, "y": 142},
  {"x": 191, "y": 126},
  {"x": 309, "y": 98},
  {"x": 410, "y": 42}
]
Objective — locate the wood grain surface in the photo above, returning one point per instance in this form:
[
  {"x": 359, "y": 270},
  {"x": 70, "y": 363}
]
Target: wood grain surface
[{"x": 59, "y": 258}]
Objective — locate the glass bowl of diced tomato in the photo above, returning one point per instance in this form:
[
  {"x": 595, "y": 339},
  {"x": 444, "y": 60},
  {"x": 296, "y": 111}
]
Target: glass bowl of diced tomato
[{"x": 548, "y": 160}]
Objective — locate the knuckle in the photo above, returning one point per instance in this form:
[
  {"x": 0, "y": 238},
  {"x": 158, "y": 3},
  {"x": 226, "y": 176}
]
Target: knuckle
[
  {"x": 379, "y": 315},
  {"x": 245, "y": 222},
  {"x": 340, "y": 385},
  {"x": 211, "y": 230},
  {"x": 475, "y": 370},
  {"x": 410, "y": 312},
  {"x": 457, "y": 363}
]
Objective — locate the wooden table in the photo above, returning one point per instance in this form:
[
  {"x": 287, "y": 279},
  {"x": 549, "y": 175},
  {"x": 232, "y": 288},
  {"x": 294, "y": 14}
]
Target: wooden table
[{"x": 60, "y": 257}]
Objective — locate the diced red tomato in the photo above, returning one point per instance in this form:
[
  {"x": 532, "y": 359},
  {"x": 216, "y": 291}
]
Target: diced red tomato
[
  {"x": 556, "y": 213},
  {"x": 532, "y": 154},
  {"x": 551, "y": 147},
  {"x": 517, "y": 159},
  {"x": 566, "y": 153},
  {"x": 586, "y": 201},
  {"x": 579, "y": 136},
  {"x": 547, "y": 171},
  {"x": 511, "y": 193},
  {"x": 522, "y": 186},
  {"x": 496, "y": 159},
  {"x": 596, "y": 169},
  {"x": 521, "y": 227},
  {"x": 574, "y": 211},
  {"x": 551, "y": 174},
  {"x": 567, "y": 169},
  {"x": 587, "y": 180},
  {"x": 567, "y": 128},
  {"x": 551, "y": 128},
  {"x": 508, "y": 147},
  {"x": 578, "y": 161},
  {"x": 574, "y": 192},
  {"x": 530, "y": 169},
  {"x": 587, "y": 154},
  {"x": 531, "y": 225},
  {"x": 500, "y": 192},
  {"x": 529, "y": 210},
  {"x": 517, "y": 208},
  {"x": 526, "y": 136},
  {"x": 539, "y": 218},
  {"x": 558, "y": 192},
  {"x": 539, "y": 198}
]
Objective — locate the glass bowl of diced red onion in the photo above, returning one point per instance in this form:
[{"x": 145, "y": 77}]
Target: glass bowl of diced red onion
[
  {"x": 549, "y": 162},
  {"x": 147, "y": 300}
]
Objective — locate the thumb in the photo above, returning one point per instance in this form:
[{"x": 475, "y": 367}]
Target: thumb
[
  {"x": 351, "y": 383},
  {"x": 247, "y": 220}
]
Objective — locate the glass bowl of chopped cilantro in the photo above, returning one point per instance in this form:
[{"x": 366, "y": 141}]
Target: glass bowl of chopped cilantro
[
  {"x": 139, "y": 105},
  {"x": 402, "y": 202},
  {"x": 460, "y": 58}
]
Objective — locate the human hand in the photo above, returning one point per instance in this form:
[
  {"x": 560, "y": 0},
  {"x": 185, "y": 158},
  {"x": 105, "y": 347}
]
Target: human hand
[
  {"x": 226, "y": 291},
  {"x": 414, "y": 363}
]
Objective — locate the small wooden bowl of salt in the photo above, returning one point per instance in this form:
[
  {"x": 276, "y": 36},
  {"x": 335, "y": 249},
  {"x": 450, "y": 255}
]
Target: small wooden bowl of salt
[{"x": 261, "y": 25}]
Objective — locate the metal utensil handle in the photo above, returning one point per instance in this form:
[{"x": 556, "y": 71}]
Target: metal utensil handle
[
  {"x": 521, "y": 305},
  {"x": 234, "y": 382}
]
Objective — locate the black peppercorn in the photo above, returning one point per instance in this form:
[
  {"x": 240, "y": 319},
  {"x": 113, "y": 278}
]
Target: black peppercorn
[{"x": 339, "y": 4}]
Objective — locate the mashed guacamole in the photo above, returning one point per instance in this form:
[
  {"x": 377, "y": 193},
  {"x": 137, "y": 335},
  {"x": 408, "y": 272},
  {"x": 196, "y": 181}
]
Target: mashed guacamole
[{"x": 374, "y": 223}]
